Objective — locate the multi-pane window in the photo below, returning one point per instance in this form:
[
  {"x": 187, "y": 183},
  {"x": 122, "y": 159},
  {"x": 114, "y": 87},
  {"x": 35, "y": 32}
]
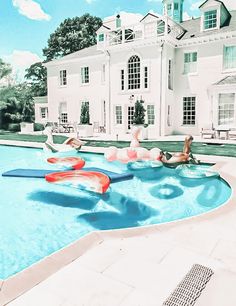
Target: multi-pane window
[
  {"x": 190, "y": 62},
  {"x": 170, "y": 75},
  {"x": 134, "y": 72},
  {"x": 229, "y": 57},
  {"x": 63, "y": 78},
  {"x": 145, "y": 77},
  {"x": 101, "y": 37},
  {"x": 150, "y": 114},
  {"x": 210, "y": 19},
  {"x": 176, "y": 6},
  {"x": 44, "y": 112},
  {"x": 63, "y": 112},
  {"x": 160, "y": 27},
  {"x": 64, "y": 117},
  {"x": 130, "y": 116},
  {"x": 118, "y": 114},
  {"x": 226, "y": 109},
  {"x": 122, "y": 78},
  {"x": 189, "y": 111},
  {"x": 85, "y": 75},
  {"x": 169, "y": 8}
]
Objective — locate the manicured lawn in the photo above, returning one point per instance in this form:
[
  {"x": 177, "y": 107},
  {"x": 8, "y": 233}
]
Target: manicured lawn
[
  {"x": 31, "y": 138},
  {"x": 172, "y": 146}
]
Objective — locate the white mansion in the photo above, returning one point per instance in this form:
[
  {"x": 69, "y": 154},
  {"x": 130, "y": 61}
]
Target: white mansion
[{"x": 184, "y": 71}]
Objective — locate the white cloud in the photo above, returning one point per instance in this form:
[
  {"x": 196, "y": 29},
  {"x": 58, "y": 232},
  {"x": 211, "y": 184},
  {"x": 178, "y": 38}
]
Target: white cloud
[
  {"x": 194, "y": 6},
  {"x": 90, "y": 1},
  {"x": 126, "y": 18},
  {"x": 20, "y": 60},
  {"x": 30, "y": 9},
  {"x": 186, "y": 16}
]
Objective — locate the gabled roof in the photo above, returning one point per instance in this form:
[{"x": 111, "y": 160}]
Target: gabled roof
[
  {"x": 149, "y": 14},
  {"x": 193, "y": 27},
  {"x": 86, "y": 52},
  {"x": 229, "y": 80},
  {"x": 216, "y": 1}
]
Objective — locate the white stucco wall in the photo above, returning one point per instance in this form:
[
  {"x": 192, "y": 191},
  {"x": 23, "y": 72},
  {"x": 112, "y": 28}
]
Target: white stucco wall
[
  {"x": 209, "y": 71},
  {"x": 74, "y": 93}
]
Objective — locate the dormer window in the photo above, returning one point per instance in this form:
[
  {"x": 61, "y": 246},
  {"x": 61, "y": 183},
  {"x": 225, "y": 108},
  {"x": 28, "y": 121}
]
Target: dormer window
[
  {"x": 210, "y": 20},
  {"x": 101, "y": 37}
]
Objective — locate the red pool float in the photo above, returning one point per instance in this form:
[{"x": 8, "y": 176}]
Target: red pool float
[
  {"x": 75, "y": 163},
  {"x": 94, "y": 181}
]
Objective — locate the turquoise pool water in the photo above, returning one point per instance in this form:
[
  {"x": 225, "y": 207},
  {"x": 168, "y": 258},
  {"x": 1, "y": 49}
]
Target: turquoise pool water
[{"x": 38, "y": 218}]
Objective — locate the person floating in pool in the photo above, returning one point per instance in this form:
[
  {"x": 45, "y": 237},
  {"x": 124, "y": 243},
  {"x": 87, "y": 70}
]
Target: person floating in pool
[{"x": 180, "y": 157}]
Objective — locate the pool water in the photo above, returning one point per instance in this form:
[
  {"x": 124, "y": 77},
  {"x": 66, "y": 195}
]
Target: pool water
[{"x": 38, "y": 218}]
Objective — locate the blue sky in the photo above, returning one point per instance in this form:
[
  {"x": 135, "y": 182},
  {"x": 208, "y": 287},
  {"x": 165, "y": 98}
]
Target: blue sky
[{"x": 25, "y": 25}]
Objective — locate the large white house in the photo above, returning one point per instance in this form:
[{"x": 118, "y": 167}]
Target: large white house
[{"x": 184, "y": 71}]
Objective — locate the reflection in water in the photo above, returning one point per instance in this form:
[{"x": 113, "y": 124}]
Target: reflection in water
[
  {"x": 166, "y": 191},
  {"x": 63, "y": 200},
  {"x": 210, "y": 192},
  {"x": 128, "y": 213}
]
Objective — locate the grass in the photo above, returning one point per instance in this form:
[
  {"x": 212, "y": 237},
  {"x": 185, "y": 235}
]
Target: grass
[
  {"x": 172, "y": 146},
  {"x": 4, "y": 135}
]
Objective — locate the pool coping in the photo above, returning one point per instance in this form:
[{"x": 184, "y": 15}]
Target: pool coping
[{"x": 28, "y": 278}]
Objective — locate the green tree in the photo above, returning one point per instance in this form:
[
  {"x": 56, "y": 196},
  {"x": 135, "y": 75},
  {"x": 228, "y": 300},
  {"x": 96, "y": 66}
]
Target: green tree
[
  {"x": 36, "y": 75},
  {"x": 139, "y": 112},
  {"x": 73, "y": 34},
  {"x": 84, "y": 117},
  {"x": 16, "y": 105},
  {"x": 5, "y": 69}
]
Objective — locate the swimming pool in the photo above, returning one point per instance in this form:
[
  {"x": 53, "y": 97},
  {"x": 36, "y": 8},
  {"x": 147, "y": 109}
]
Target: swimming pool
[{"x": 38, "y": 218}]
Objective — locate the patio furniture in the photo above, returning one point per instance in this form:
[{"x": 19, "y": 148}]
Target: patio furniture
[
  {"x": 102, "y": 129},
  {"x": 54, "y": 125},
  {"x": 208, "y": 130},
  {"x": 96, "y": 127},
  {"x": 232, "y": 133},
  {"x": 67, "y": 127},
  {"x": 225, "y": 130},
  {"x": 190, "y": 288}
]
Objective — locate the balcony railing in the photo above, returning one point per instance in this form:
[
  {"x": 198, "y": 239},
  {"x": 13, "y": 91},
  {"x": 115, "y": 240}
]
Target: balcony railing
[{"x": 151, "y": 30}]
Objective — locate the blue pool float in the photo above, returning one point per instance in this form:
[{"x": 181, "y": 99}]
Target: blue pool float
[
  {"x": 195, "y": 171},
  {"x": 144, "y": 164}
]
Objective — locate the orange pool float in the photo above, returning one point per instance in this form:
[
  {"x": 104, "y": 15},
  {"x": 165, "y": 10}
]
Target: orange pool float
[
  {"x": 94, "y": 181},
  {"x": 75, "y": 163}
]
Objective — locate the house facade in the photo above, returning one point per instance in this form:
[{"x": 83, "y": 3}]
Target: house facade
[{"x": 183, "y": 71}]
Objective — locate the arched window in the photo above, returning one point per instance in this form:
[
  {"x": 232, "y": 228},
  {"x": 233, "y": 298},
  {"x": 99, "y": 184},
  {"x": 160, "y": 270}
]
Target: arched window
[{"x": 134, "y": 72}]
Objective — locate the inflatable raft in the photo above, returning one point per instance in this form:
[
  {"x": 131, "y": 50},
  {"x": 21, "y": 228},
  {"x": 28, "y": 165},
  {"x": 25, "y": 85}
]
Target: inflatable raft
[
  {"x": 144, "y": 164},
  {"x": 75, "y": 163},
  {"x": 94, "y": 181},
  {"x": 195, "y": 171}
]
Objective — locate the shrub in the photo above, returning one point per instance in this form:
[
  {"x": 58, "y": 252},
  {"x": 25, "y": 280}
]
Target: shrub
[
  {"x": 84, "y": 117},
  {"x": 14, "y": 127},
  {"x": 38, "y": 127},
  {"x": 139, "y": 112}
]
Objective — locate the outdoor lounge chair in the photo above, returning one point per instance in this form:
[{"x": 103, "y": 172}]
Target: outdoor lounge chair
[
  {"x": 208, "y": 130},
  {"x": 232, "y": 133}
]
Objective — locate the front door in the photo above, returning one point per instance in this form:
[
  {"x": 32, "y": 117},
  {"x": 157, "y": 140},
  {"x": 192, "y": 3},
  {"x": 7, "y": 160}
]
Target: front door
[{"x": 130, "y": 116}]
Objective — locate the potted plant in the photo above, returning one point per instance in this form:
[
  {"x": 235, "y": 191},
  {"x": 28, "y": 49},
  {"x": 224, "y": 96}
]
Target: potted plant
[
  {"x": 139, "y": 118},
  {"x": 27, "y": 125},
  {"x": 85, "y": 129}
]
